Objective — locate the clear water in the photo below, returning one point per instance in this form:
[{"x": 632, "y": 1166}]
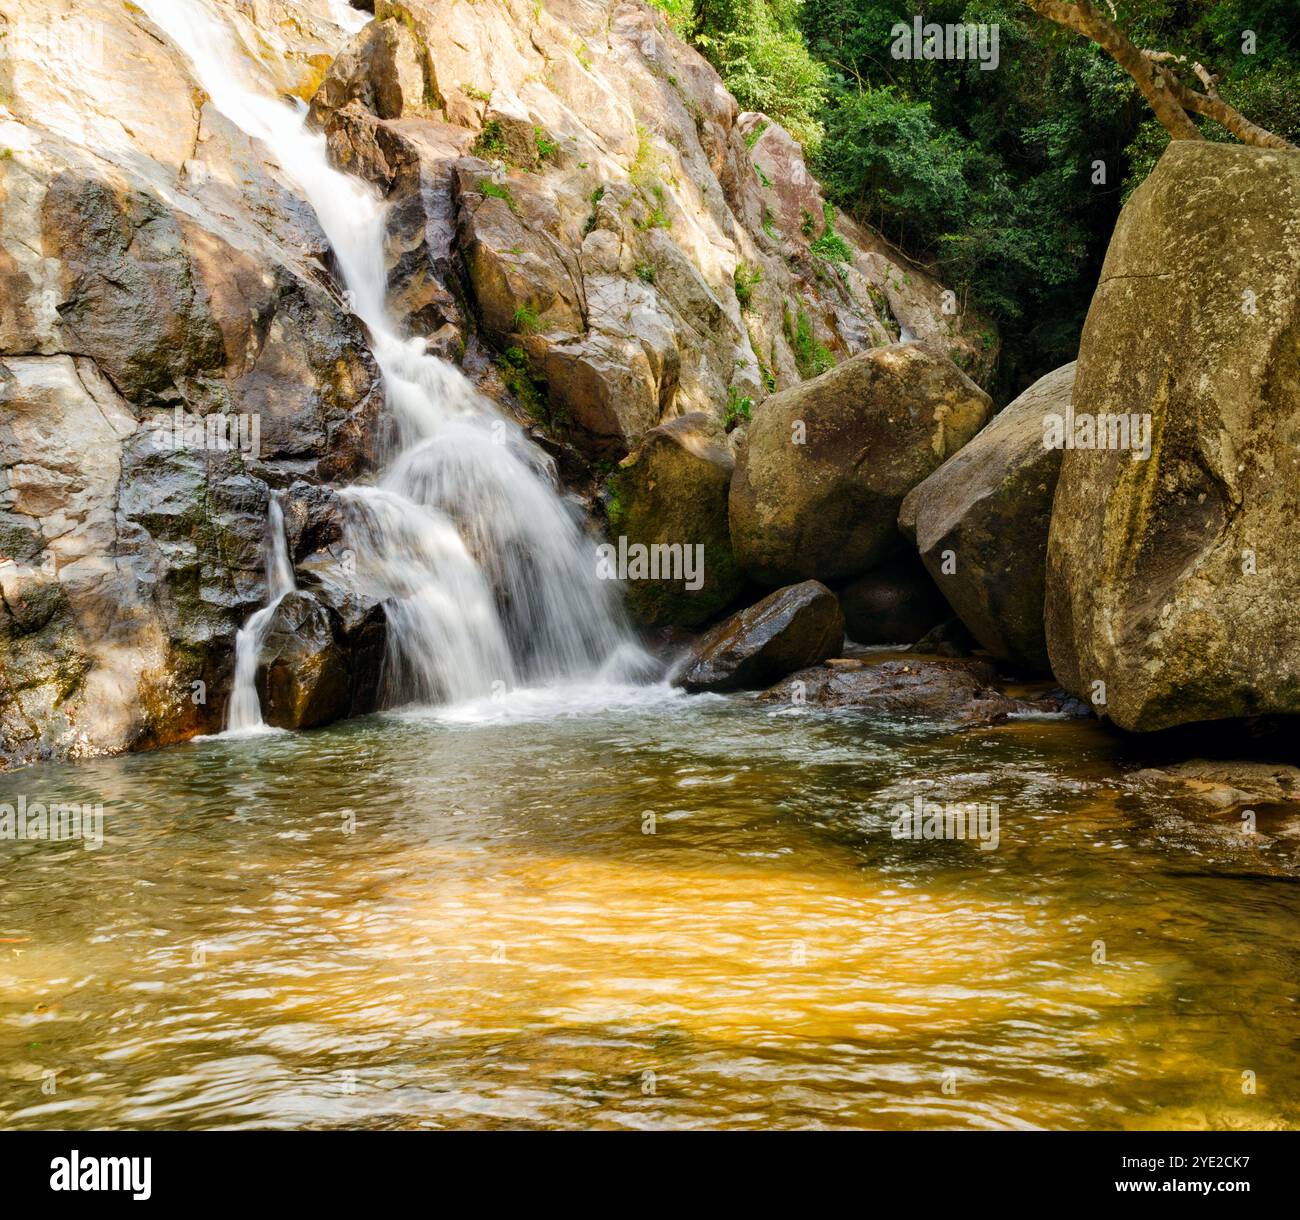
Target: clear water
[{"x": 498, "y": 944}]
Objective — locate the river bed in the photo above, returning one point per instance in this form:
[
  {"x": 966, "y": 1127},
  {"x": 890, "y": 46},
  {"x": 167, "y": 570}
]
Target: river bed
[{"x": 640, "y": 909}]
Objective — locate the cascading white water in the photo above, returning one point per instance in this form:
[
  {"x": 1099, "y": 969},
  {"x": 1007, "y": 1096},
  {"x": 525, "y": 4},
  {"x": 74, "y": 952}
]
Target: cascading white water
[
  {"x": 245, "y": 713},
  {"x": 488, "y": 579}
]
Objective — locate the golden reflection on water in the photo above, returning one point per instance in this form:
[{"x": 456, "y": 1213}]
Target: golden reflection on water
[{"x": 499, "y": 942}]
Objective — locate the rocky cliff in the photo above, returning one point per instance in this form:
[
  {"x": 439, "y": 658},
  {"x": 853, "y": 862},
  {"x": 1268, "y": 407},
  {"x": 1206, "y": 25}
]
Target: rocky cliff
[{"x": 579, "y": 214}]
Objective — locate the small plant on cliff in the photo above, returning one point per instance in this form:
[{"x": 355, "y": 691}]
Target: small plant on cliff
[
  {"x": 830, "y": 245},
  {"x": 491, "y": 143},
  {"x": 811, "y": 355},
  {"x": 740, "y": 408},
  {"x": 745, "y": 278},
  {"x": 645, "y": 273},
  {"x": 498, "y": 190},
  {"x": 546, "y": 148},
  {"x": 518, "y": 379},
  {"x": 526, "y": 320}
]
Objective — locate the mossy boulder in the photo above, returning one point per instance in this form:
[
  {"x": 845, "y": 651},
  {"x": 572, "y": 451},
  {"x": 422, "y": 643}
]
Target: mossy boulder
[
  {"x": 673, "y": 491},
  {"x": 1171, "y": 581},
  {"x": 980, "y": 523},
  {"x": 824, "y": 466}
]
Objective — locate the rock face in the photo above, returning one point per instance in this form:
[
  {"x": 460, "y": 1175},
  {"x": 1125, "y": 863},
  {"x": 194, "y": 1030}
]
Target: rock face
[
  {"x": 824, "y": 467},
  {"x": 631, "y": 246},
  {"x": 787, "y": 630},
  {"x": 672, "y": 492},
  {"x": 981, "y": 520},
  {"x": 957, "y": 691},
  {"x": 574, "y": 211},
  {"x": 151, "y": 263},
  {"x": 1173, "y": 580},
  {"x": 896, "y": 604}
]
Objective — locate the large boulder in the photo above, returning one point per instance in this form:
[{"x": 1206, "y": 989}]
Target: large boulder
[
  {"x": 787, "y": 630},
  {"x": 824, "y": 466},
  {"x": 673, "y": 492},
  {"x": 1171, "y": 581},
  {"x": 895, "y": 604},
  {"x": 980, "y": 523}
]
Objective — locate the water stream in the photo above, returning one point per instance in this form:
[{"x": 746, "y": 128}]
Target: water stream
[
  {"x": 489, "y": 580},
  {"x": 585, "y": 902},
  {"x": 428, "y": 919}
]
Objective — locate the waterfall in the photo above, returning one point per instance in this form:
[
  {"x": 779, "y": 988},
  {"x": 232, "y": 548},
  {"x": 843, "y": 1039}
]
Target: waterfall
[
  {"x": 488, "y": 578},
  {"x": 245, "y": 713}
]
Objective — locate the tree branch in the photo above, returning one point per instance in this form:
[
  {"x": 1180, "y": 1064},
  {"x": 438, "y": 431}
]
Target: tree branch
[{"x": 1169, "y": 97}]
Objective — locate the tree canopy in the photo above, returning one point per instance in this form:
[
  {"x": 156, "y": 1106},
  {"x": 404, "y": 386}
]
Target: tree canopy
[{"x": 1007, "y": 181}]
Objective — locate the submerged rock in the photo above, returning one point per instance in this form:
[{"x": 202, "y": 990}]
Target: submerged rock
[
  {"x": 787, "y": 630},
  {"x": 1228, "y": 785},
  {"x": 824, "y": 467},
  {"x": 1171, "y": 581},
  {"x": 673, "y": 492},
  {"x": 981, "y": 520},
  {"x": 961, "y": 691}
]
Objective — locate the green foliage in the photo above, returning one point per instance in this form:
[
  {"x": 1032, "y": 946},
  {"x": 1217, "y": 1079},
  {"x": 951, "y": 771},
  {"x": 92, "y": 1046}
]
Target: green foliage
[
  {"x": 596, "y": 196},
  {"x": 491, "y": 144},
  {"x": 645, "y": 273},
  {"x": 546, "y": 148},
  {"x": 745, "y": 278},
  {"x": 811, "y": 355},
  {"x": 498, "y": 190},
  {"x": 987, "y": 176},
  {"x": 756, "y": 133},
  {"x": 757, "y": 48},
  {"x": 526, "y": 320},
  {"x": 830, "y": 245},
  {"x": 680, "y": 15},
  {"x": 516, "y": 373},
  {"x": 740, "y": 408}
]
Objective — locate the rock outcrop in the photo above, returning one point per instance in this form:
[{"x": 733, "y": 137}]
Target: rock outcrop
[
  {"x": 824, "y": 466},
  {"x": 1171, "y": 581},
  {"x": 631, "y": 245},
  {"x": 981, "y": 520},
  {"x": 171, "y": 350},
  {"x": 787, "y": 630}
]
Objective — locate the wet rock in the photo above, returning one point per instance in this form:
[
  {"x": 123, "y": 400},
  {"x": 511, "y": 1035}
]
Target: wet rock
[
  {"x": 949, "y": 639},
  {"x": 1228, "y": 784},
  {"x": 787, "y": 630},
  {"x": 384, "y": 69},
  {"x": 303, "y": 675},
  {"x": 960, "y": 691},
  {"x": 1172, "y": 580},
  {"x": 673, "y": 492},
  {"x": 896, "y": 604},
  {"x": 824, "y": 467},
  {"x": 980, "y": 522}
]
